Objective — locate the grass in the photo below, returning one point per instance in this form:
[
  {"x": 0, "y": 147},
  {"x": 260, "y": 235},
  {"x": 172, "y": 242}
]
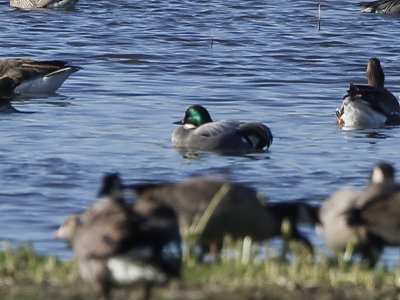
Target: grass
[{"x": 26, "y": 275}]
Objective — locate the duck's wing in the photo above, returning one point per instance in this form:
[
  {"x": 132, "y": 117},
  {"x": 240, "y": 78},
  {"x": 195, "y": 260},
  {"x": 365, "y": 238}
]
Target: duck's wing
[
  {"x": 217, "y": 128},
  {"x": 382, "y": 6},
  {"x": 379, "y": 98}
]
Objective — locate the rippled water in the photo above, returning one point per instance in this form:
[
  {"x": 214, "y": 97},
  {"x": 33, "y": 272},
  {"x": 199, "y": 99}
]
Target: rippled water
[{"x": 145, "y": 62}]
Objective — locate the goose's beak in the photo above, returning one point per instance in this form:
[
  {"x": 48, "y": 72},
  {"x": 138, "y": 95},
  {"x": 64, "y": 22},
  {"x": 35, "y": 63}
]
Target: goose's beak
[
  {"x": 178, "y": 122},
  {"x": 58, "y": 234}
]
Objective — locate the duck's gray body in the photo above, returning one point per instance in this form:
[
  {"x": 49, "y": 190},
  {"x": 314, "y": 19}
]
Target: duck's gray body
[
  {"x": 220, "y": 136},
  {"x": 28, "y": 77},
  {"x": 382, "y": 7},
  {"x": 40, "y": 4}
]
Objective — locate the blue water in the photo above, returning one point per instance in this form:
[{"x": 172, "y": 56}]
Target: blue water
[{"x": 145, "y": 62}]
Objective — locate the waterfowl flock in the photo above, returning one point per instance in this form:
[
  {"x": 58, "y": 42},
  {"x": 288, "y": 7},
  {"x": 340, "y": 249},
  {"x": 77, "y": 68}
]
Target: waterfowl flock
[{"x": 135, "y": 232}]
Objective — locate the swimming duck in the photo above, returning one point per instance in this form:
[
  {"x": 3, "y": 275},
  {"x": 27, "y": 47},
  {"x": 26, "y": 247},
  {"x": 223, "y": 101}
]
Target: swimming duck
[
  {"x": 200, "y": 133},
  {"x": 115, "y": 244},
  {"x": 241, "y": 211},
  {"x": 335, "y": 210},
  {"x": 26, "y": 76},
  {"x": 38, "y": 4},
  {"x": 379, "y": 215},
  {"x": 369, "y": 106},
  {"x": 382, "y": 6}
]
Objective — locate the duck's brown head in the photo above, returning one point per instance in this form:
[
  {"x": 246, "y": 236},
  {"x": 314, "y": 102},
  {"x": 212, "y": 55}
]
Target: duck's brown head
[{"x": 375, "y": 75}]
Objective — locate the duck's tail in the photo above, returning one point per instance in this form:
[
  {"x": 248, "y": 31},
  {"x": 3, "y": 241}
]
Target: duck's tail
[{"x": 257, "y": 134}]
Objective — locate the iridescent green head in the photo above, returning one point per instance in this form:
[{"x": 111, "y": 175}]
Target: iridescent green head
[{"x": 195, "y": 116}]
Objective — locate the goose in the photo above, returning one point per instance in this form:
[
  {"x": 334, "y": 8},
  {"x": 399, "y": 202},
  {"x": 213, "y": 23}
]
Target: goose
[
  {"x": 200, "y": 133},
  {"x": 114, "y": 244},
  {"x": 369, "y": 106},
  {"x": 29, "y": 77},
  {"x": 240, "y": 212},
  {"x": 41, "y": 4},
  {"x": 333, "y": 215},
  {"x": 382, "y": 6},
  {"x": 379, "y": 215}
]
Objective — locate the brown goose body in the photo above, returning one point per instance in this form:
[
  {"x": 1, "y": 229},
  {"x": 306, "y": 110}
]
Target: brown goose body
[
  {"x": 241, "y": 211},
  {"x": 380, "y": 213},
  {"x": 334, "y": 213}
]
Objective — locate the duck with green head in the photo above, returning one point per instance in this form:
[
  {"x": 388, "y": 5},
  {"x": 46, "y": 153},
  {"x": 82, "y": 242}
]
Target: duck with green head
[{"x": 200, "y": 133}]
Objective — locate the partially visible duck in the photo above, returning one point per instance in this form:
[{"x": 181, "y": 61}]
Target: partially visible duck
[
  {"x": 239, "y": 213},
  {"x": 114, "y": 244},
  {"x": 200, "y": 133},
  {"x": 26, "y": 76},
  {"x": 333, "y": 215},
  {"x": 40, "y": 4},
  {"x": 369, "y": 106},
  {"x": 382, "y": 6}
]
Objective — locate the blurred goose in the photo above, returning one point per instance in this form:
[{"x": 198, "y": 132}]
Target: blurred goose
[
  {"x": 371, "y": 106},
  {"x": 26, "y": 76},
  {"x": 114, "y": 244},
  {"x": 240, "y": 212},
  {"x": 379, "y": 215},
  {"x": 38, "y": 4},
  {"x": 382, "y": 6},
  {"x": 200, "y": 133},
  {"x": 333, "y": 215}
]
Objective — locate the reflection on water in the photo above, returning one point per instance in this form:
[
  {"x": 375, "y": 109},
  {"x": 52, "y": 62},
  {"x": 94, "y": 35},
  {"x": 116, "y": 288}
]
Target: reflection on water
[{"x": 7, "y": 108}]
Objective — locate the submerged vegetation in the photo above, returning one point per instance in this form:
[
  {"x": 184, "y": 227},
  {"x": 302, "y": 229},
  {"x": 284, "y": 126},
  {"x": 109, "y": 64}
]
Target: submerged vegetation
[{"x": 247, "y": 275}]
